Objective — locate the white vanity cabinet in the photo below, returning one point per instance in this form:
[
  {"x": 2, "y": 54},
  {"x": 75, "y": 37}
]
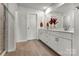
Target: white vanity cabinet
[
  {"x": 64, "y": 43},
  {"x": 60, "y": 42},
  {"x": 64, "y": 47},
  {"x": 48, "y": 38},
  {"x": 52, "y": 41},
  {"x": 41, "y": 35}
]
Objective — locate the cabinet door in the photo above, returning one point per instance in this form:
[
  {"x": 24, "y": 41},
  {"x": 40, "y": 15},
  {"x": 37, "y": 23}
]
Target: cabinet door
[
  {"x": 41, "y": 35},
  {"x": 45, "y": 37},
  {"x": 53, "y": 42},
  {"x": 50, "y": 40},
  {"x": 64, "y": 47}
]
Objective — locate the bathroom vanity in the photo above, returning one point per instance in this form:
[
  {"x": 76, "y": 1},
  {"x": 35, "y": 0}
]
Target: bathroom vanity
[{"x": 57, "y": 40}]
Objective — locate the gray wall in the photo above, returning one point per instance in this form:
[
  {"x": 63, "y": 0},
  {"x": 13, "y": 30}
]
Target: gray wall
[{"x": 21, "y": 21}]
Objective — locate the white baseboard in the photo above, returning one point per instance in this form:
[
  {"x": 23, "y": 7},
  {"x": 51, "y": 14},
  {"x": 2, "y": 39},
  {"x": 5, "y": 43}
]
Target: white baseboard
[{"x": 21, "y": 41}]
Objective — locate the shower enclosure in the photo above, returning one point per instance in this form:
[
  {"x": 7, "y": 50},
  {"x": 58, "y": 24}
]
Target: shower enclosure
[{"x": 2, "y": 29}]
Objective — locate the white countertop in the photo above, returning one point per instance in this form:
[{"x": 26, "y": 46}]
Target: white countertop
[
  {"x": 72, "y": 32},
  {"x": 60, "y": 30}
]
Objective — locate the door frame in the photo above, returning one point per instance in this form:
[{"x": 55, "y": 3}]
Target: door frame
[{"x": 33, "y": 13}]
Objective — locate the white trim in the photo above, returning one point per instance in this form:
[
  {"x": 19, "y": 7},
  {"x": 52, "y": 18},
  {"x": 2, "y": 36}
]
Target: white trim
[
  {"x": 24, "y": 40},
  {"x": 21, "y": 41}
]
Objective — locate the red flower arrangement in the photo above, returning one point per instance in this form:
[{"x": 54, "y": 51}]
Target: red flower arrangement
[{"x": 53, "y": 21}]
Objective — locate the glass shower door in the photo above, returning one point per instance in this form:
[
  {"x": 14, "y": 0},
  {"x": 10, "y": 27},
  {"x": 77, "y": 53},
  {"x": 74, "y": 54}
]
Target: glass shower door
[{"x": 2, "y": 40}]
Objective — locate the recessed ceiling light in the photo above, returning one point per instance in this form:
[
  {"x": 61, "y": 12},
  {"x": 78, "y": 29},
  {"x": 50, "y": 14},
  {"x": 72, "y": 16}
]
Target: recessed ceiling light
[{"x": 48, "y": 10}]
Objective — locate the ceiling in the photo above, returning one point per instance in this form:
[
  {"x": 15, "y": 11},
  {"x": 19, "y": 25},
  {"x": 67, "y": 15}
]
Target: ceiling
[
  {"x": 39, "y": 6},
  {"x": 67, "y": 7},
  {"x": 57, "y": 7}
]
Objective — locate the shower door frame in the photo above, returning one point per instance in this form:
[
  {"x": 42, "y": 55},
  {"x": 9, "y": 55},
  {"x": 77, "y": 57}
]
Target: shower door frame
[{"x": 5, "y": 31}]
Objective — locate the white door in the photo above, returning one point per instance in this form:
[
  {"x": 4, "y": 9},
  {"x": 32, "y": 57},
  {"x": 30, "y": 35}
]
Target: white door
[{"x": 31, "y": 26}]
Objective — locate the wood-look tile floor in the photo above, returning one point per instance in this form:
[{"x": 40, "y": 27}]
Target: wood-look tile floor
[{"x": 32, "y": 48}]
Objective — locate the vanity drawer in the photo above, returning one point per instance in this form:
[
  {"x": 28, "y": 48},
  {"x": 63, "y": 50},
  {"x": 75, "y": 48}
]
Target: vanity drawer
[{"x": 64, "y": 35}]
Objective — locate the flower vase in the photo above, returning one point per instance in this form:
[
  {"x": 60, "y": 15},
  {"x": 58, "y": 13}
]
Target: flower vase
[
  {"x": 50, "y": 26},
  {"x": 47, "y": 27},
  {"x": 54, "y": 26}
]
